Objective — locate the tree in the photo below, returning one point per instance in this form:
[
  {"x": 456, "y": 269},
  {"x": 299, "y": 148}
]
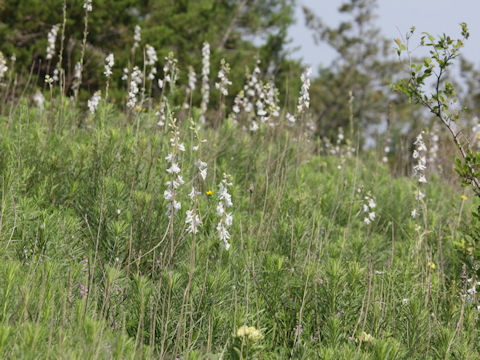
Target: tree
[
  {"x": 168, "y": 25},
  {"x": 353, "y": 92}
]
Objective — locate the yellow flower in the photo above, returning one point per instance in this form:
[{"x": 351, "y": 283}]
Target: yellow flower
[
  {"x": 364, "y": 337},
  {"x": 463, "y": 197},
  {"x": 242, "y": 331},
  {"x": 209, "y": 193},
  {"x": 137, "y": 107},
  {"x": 255, "y": 335},
  {"x": 250, "y": 332},
  {"x": 478, "y": 136},
  {"x": 431, "y": 265}
]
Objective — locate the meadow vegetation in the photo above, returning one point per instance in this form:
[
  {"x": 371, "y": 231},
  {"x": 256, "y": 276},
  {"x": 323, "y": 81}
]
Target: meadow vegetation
[{"x": 153, "y": 223}]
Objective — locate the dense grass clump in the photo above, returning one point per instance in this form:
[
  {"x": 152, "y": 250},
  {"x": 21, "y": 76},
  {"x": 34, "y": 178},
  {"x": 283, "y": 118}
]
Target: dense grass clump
[{"x": 93, "y": 266}]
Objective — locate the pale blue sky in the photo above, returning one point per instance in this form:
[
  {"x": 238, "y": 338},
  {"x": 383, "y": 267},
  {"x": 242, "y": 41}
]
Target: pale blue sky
[{"x": 433, "y": 16}]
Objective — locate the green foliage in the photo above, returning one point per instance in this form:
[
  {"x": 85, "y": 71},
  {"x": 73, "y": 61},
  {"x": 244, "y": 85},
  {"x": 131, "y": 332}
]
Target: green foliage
[
  {"x": 179, "y": 26},
  {"x": 82, "y": 209},
  {"x": 443, "y": 50},
  {"x": 356, "y": 84}
]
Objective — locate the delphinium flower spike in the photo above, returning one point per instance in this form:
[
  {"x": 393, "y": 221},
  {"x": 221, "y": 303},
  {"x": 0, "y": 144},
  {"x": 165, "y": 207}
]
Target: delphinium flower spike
[
  {"x": 226, "y": 218},
  {"x": 419, "y": 154},
  {"x": 205, "y": 81}
]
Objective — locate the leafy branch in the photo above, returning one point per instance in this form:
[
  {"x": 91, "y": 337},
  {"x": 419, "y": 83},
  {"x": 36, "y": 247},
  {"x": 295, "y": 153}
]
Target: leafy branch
[{"x": 443, "y": 50}]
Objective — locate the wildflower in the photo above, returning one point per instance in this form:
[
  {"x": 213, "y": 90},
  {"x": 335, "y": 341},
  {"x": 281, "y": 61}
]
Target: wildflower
[
  {"x": 169, "y": 70},
  {"x": 250, "y": 332},
  {"x": 433, "y": 146},
  {"x": 87, "y": 5},
  {"x": 108, "y": 65},
  {"x": 3, "y": 66},
  {"x": 125, "y": 74},
  {"x": 135, "y": 81},
  {"x": 290, "y": 119},
  {"x": 304, "y": 99},
  {"x": 464, "y": 197},
  {"x": 364, "y": 337},
  {"x": 193, "y": 221},
  {"x": 209, "y": 193},
  {"x": 52, "y": 37},
  {"x": 205, "y": 86},
  {"x": 414, "y": 213},
  {"x": 39, "y": 99},
  {"x": 137, "y": 37},
  {"x": 419, "y": 195},
  {"x": 419, "y": 154},
  {"x": 202, "y": 169},
  {"x": 368, "y": 208},
  {"x": 431, "y": 265},
  {"x": 222, "y": 76},
  {"x": 77, "y": 76},
  {"x": 405, "y": 301},
  {"x": 151, "y": 60},
  {"x": 93, "y": 102},
  {"x": 175, "y": 178},
  {"x": 192, "y": 79},
  {"x": 226, "y": 219},
  {"x": 56, "y": 74},
  {"x": 386, "y": 151}
]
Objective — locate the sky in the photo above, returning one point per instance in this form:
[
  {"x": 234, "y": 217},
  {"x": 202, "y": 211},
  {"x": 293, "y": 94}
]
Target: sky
[{"x": 395, "y": 18}]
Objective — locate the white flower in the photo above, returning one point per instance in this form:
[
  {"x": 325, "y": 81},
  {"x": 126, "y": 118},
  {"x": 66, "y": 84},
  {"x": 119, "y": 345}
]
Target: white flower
[
  {"x": 368, "y": 208},
  {"x": 193, "y": 222},
  {"x": 220, "y": 209},
  {"x": 87, "y": 5},
  {"x": 422, "y": 179},
  {"x": 151, "y": 55},
  {"x": 108, "y": 65},
  {"x": 228, "y": 219},
  {"x": 168, "y": 194},
  {"x": 205, "y": 85},
  {"x": 173, "y": 169},
  {"x": 93, "y": 102},
  {"x": 177, "y": 205},
  {"x": 419, "y": 195},
  {"x": 192, "y": 79},
  {"x": 39, "y": 99},
  {"x": 135, "y": 81},
  {"x": 223, "y": 233},
  {"x": 222, "y": 76},
  {"x": 3, "y": 65},
  {"x": 52, "y": 37},
  {"x": 151, "y": 60},
  {"x": 137, "y": 37},
  {"x": 304, "y": 99},
  {"x": 291, "y": 119},
  {"x": 414, "y": 213}
]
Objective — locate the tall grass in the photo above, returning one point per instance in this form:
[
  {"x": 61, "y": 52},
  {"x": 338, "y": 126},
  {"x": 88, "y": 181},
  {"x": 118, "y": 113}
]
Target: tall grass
[{"x": 93, "y": 267}]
